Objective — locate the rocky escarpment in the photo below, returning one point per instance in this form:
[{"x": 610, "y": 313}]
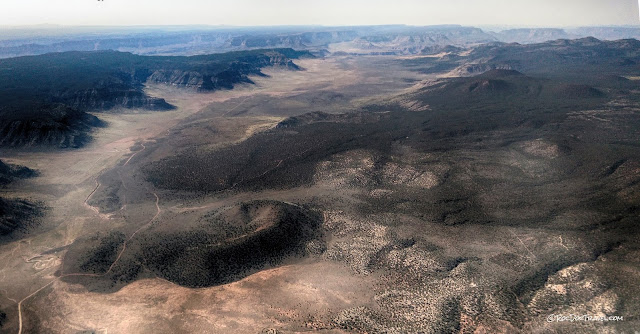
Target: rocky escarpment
[
  {"x": 208, "y": 79},
  {"x": 108, "y": 98},
  {"x": 44, "y": 99},
  {"x": 200, "y": 81},
  {"x": 50, "y": 125},
  {"x": 107, "y": 79}
]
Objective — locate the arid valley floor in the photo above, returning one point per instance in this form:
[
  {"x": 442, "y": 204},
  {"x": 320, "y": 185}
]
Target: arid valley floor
[{"x": 337, "y": 199}]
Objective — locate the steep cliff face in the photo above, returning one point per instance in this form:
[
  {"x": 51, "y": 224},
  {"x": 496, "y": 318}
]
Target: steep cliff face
[
  {"x": 108, "y": 98},
  {"x": 215, "y": 77},
  {"x": 50, "y": 125},
  {"x": 178, "y": 78},
  {"x": 200, "y": 80}
]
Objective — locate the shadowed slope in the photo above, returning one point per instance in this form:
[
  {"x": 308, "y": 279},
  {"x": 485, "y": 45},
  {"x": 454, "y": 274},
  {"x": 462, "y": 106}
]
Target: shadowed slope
[
  {"x": 9, "y": 173},
  {"x": 221, "y": 247},
  {"x": 17, "y": 216}
]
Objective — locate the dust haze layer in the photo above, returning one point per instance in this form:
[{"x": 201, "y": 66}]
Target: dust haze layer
[{"x": 356, "y": 12}]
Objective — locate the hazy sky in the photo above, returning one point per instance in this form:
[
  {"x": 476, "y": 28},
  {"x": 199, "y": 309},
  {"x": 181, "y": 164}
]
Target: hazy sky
[{"x": 322, "y": 12}]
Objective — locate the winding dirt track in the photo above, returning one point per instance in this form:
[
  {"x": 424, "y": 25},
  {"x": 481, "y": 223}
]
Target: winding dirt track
[
  {"x": 124, "y": 247},
  {"x": 86, "y": 201},
  {"x": 104, "y": 216},
  {"x": 133, "y": 155}
]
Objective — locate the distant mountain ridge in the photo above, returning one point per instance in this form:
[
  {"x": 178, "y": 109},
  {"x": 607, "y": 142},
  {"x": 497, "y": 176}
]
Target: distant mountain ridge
[
  {"x": 574, "y": 60},
  {"x": 562, "y": 56},
  {"x": 392, "y": 39}
]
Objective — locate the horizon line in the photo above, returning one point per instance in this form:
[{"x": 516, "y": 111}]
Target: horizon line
[{"x": 57, "y": 25}]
